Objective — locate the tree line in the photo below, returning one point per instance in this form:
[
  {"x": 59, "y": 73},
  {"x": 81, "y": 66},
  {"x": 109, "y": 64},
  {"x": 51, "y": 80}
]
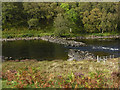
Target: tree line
[{"x": 62, "y": 17}]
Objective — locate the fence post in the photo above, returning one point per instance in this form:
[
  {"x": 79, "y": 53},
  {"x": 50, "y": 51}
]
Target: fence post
[
  {"x": 110, "y": 56},
  {"x": 98, "y": 58},
  {"x": 106, "y": 58},
  {"x": 113, "y": 56}
]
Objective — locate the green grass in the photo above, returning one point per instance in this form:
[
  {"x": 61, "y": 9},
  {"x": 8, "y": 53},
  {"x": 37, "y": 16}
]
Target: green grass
[
  {"x": 4, "y": 84},
  {"x": 104, "y": 34},
  {"x": 0, "y": 33},
  {"x": 13, "y": 33},
  {"x": 23, "y": 33},
  {"x": 92, "y": 34},
  {"x": 49, "y": 71}
]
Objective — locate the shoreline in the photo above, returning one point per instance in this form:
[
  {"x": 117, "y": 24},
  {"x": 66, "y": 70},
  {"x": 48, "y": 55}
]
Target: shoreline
[
  {"x": 100, "y": 37},
  {"x": 65, "y": 38},
  {"x": 35, "y": 60}
]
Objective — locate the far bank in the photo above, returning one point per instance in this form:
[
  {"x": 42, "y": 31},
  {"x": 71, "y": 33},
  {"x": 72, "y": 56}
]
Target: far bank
[{"x": 10, "y": 35}]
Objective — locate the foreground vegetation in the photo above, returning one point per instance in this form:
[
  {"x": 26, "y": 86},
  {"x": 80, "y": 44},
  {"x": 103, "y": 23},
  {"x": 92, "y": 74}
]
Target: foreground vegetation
[{"x": 60, "y": 74}]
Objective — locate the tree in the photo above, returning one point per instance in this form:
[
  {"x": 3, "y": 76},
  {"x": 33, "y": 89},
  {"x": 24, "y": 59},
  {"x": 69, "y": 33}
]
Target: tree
[
  {"x": 91, "y": 20},
  {"x": 61, "y": 25},
  {"x": 112, "y": 22},
  {"x": 71, "y": 15},
  {"x": 82, "y": 16},
  {"x": 44, "y": 12},
  {"x": 12, "y": 14}
]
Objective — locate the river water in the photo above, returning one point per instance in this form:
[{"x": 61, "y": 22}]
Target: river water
[{"x": 43, "y": 50}]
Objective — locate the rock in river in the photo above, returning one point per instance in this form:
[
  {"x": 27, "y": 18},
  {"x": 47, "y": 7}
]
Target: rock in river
[
  {"x": 78, "y": 55},
  {"x": 63, "y": 41}
]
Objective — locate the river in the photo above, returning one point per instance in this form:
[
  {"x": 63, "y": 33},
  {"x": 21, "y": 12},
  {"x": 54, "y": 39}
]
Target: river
[{"x": 43, "y": 50}]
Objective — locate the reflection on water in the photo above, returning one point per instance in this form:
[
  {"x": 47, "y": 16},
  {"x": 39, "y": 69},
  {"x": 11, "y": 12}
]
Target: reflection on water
[
  {"x": 42, "y": 50},
  {"x": 36, "y": 49}
]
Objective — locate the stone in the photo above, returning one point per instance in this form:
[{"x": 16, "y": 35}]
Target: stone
[
  {"x": 78, "y": 55},
  {"x": 63, "y": 41}
]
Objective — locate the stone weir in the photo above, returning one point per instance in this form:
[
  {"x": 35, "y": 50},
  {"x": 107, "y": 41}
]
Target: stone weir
[
  {"x": 51, "y": 39},
  {"x": 78, "y": 55},
  {"x": 63, "y": 41}
]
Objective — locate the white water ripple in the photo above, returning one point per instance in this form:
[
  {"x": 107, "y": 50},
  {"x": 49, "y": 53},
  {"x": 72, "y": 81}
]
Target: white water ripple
[{"x": 106, "y": 48}]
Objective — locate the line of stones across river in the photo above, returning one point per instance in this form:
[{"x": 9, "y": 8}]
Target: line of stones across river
[{"x": 51, "y": 39}]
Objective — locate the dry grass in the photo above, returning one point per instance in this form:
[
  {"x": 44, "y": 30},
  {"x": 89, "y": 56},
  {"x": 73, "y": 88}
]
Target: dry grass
[{"x": 64, "y": 68}]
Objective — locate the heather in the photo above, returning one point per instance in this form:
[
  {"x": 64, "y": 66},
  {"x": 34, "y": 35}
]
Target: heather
[{"x": 60, "y": 74}]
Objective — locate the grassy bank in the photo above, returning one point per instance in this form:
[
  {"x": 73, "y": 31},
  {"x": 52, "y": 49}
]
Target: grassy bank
[
  {"x": 60, "y": 74},
  {"x": 23, "y": 33},
  {"x": 38, "y": 33}
]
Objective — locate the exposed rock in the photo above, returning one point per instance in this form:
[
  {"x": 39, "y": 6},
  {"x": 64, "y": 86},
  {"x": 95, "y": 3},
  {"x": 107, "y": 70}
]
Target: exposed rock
[
  {"x": 66, "y": 38},
  {"x": 6, "y": 58},
  {"x": 78, "y": 55},
  {"x": 63, "y": 41},
  {"x": 27, "y": 38},
  {"x": 98, "y": 37},
  {"x": 50, "y": 39}
]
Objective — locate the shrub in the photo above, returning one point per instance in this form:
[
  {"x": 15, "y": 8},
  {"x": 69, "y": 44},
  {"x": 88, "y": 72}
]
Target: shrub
[
  {"x": 27, "y": 35},
  {"x": 9, "y": 36},
  {"x": 33, "y": 22}
]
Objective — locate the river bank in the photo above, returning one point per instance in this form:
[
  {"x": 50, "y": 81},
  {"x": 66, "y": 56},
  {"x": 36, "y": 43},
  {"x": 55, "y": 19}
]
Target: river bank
[
  {"x": 61, "y": 74},
  {"x": 67, "y": 38},
  {"x": 19, "y": 33},
  {"x": 63, "y": 40}
]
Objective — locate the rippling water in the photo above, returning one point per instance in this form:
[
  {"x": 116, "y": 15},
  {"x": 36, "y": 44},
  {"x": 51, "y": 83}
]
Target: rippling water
[{"x": 103, "y": 47}]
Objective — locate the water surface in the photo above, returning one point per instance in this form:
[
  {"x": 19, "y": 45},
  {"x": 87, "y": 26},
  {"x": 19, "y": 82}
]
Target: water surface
[
  {"x": 103, "y": 47},
  {"x": 36, "y": 49},
  {"x": 43, "y": 50}
]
